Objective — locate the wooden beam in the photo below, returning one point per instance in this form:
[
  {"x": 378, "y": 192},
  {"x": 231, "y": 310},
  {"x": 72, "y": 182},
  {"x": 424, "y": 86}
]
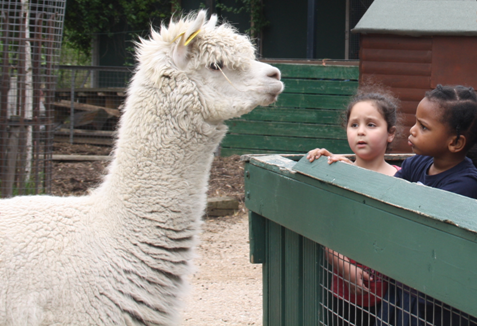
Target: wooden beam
[
  {"x": 82, "y": 158},
  {"x": 87, "y": 107},
  {"x": 221, "y": 206}
]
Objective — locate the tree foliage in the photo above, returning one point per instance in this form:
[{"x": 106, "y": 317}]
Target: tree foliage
[
  {"x": 86, "y": 18},
  {"x": 255, "y": 9}
]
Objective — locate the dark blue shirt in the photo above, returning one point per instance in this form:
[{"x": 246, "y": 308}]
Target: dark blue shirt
[{"x": 461, "y": 179}]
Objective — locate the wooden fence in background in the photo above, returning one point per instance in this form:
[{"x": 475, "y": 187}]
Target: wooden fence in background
[{"x": 306, "y": 115}]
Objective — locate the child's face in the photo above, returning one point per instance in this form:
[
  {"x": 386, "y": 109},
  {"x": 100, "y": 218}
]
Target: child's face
[
  {"x": 367, "y": 131},
  {"x": 429, "y": 136}
]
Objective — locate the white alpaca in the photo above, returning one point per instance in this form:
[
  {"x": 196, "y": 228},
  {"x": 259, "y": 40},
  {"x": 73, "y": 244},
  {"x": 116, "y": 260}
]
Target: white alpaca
[{"x": 120, "y": 255}]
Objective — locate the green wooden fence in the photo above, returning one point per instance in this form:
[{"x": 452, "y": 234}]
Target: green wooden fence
[
  {"x": 423, "y": 237},
  {"x": 306, "y": 115}
]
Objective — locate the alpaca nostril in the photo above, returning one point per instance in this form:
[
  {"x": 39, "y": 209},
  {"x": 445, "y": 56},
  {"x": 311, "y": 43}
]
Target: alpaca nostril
[{"x": 274, "y": 74}]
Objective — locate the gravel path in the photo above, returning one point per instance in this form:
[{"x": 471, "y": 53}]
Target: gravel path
[{"x": 227, "y": 288}]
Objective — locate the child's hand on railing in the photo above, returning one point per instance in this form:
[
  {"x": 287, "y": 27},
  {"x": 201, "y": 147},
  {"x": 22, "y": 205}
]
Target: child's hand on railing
[
  {"x": 356, "y": 277},
  {"x": 318, "y": 152}
]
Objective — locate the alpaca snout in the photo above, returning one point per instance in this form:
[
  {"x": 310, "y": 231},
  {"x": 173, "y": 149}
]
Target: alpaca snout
[
  {"x": 275, "y": 73},
  {"x": 274, "y": 86}
]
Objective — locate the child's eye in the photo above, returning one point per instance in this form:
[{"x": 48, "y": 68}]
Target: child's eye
[
  {"x": 353, "y": 125},
  {"x": 372, "y": 125}
]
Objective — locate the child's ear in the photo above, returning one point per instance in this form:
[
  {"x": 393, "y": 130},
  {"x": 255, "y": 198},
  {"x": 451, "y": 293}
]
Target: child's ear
[
  {"x": 391, "y": 134},
  {"x": 457, "y": 144}
]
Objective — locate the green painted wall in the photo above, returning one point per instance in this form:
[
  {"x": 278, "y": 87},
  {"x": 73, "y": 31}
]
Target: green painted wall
[{"x": 306, "y": 115}]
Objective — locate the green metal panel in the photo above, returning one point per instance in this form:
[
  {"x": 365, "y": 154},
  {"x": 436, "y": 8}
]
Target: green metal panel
[
  {"x": 291, "y": 276},
  {"x": 311, "y": 292},
  {"x": 257, "y": 238},
  {"x": 409, "y": 232},
  {"x": 274, "y": 273}
]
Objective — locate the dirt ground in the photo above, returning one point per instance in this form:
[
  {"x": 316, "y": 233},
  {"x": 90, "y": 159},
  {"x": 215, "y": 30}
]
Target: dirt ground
[{"x": 225, "y": 289}]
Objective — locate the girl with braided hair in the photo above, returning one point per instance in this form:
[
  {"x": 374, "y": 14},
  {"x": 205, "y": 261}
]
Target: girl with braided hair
[{"x": 445, "y": 131}]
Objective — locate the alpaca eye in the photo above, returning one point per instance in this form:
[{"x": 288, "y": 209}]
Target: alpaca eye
[{"x": 217, "y": 65}]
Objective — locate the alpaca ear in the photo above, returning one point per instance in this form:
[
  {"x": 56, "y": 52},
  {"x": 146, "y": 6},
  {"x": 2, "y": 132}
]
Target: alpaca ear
[
  {"x": 179, "y": 54},
  {"x": 212, "y": 22}
]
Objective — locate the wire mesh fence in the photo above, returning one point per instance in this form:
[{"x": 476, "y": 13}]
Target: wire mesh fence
[
  {"x": 355, "y": 295},
  {"x": 30, "y": 41},
  {"x": 88, "y": 103}
]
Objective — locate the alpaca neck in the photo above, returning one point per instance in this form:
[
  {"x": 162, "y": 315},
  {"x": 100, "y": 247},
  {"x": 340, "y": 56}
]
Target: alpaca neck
[{"x": 161, "y": 168}]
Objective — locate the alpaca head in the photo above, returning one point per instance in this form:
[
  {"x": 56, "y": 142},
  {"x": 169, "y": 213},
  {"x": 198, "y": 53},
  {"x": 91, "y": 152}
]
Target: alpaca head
[{"x": 218, "y": 61}]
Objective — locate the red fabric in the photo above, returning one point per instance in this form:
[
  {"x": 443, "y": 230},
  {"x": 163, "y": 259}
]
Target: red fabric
[{"x": 377, "y": 288}]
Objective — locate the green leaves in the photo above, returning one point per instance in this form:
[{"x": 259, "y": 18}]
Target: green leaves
[{"x": 86, "y": 18}]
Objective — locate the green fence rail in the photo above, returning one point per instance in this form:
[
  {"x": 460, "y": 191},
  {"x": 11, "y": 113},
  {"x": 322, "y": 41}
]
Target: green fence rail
[
  {"x": 423, "y": 237},
  {"x": 305, "y": 116}
]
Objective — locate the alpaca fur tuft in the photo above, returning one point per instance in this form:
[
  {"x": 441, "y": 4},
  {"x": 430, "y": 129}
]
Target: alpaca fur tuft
[{"x": 120, "y": 255}]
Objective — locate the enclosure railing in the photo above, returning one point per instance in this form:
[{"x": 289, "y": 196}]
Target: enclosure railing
[
  {"x": 88, "y": 102},
  {"x": 30, "y": 41},
  {"x": 423, "y": 239}
]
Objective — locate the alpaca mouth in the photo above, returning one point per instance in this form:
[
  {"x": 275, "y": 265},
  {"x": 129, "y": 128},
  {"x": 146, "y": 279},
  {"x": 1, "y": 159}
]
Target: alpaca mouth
[
  {"x": 272, "y": 90},
  {"x": 271, "y": 98}
]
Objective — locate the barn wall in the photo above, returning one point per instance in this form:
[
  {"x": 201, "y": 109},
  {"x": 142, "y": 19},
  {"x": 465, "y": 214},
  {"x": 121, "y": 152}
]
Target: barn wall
[
  {"x": 454, "y": 61},
  {"x": 404, "y": 64},
  {"x": 410, "y": 66}
]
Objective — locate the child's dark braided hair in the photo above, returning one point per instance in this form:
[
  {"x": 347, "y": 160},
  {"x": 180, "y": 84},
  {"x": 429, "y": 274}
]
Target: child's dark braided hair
[{"x": 459, "y": 110}]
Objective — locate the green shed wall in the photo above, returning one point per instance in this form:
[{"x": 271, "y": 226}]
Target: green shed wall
[{"x": 306, "y": 115}]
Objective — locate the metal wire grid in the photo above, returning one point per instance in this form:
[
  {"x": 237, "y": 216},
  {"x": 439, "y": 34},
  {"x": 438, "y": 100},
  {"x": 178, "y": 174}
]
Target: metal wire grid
[
  {"x": 30, "y": 42},
  {"x": 398, "y": 304},
  {"x": 88, "y": 103}
]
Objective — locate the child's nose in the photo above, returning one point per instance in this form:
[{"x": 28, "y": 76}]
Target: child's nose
[{"x": 412, "y": 131}]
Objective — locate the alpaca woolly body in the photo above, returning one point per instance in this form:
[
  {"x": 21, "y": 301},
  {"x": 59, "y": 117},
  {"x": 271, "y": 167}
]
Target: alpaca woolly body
[{"x": 120, "y": 255}]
